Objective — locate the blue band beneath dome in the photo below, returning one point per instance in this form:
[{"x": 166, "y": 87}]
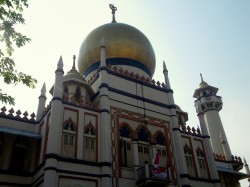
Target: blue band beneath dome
[{"x": 118, "y": 61}]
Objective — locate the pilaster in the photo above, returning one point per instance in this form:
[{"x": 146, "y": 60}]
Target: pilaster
[
  {"x": 55, "y": 128},
  {"x": 178, "y": 149},
  {"x": 105, "y": 126}
]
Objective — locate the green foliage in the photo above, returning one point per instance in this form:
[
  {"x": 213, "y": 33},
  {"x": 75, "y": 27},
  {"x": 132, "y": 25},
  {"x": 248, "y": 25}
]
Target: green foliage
[{"x": 10, "y": 15}]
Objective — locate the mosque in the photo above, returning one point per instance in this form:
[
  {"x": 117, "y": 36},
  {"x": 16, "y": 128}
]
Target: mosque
[{"x": 110, "y": 124}]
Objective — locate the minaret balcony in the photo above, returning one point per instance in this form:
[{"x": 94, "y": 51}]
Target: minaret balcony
[
  {"x": 209, "y": 102},
  {"x": 149, "y": 176}
]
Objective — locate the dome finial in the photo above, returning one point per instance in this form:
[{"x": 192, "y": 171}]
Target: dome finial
[
  {"x": 113, "y": 8},
  {"x": 74, "y": 62}
]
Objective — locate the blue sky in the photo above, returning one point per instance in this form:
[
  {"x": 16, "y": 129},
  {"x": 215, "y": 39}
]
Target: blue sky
[{"x": 209, "y": 37}]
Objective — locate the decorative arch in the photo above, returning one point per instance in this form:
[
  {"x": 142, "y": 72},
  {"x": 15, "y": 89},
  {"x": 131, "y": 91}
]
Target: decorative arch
[
  {"x": 190, "y": 162},
  {"x": 90, "y": 142},
  {"x": 187, "y": 149},
  {"x": 159, "y": 138},
  {"x": 77, "y": 97},
  {"x": 199, "y": 152},
  {"x": 90, "y": 129},
  {"x": 143, "y": 134},
  {"x": 68, "y": 147},
  {"x": 69, "y": 125},
  {"x": 66, "y": 93},
  {"x": 126, "y": 134},
  {"x": 125, "y": 130}
]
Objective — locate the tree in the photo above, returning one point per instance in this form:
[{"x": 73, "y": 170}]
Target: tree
[{"x": 10, "y": 16}]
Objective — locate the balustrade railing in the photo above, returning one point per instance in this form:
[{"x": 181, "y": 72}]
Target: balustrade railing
[{"x": 209, "y": 98}]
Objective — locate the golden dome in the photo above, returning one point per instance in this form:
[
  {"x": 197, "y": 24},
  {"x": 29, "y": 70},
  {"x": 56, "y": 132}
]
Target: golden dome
[{"x": 125, "y": 45}]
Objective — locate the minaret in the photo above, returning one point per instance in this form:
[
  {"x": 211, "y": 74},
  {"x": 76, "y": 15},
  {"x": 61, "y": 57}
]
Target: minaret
[
  {"x": 208, "y": 105},
  {"x": 42, "y": 101},
  {"x": 55, "y": 128},
  {"x": 247, "y": 169},
  {"x": 178, "y": 149},
  {"x": 208, "y": 145},
  {"x": 105, "y": 127}
]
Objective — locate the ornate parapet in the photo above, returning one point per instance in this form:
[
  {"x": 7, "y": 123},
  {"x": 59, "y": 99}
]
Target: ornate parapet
[
  {"x": 17, "y": 115},
  {"x": 220, "y": 157},
  {"x": 125, "y": 73},
  {"x": 189, "y": 130},
  {"x": 236, "y": 161}
]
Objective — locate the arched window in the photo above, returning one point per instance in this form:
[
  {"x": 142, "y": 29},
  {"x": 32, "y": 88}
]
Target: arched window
[
  {"x": 66, "y": 93},
  {"x": 161, "y": 149},
  {"x": 144, "y": 149},
  {"x": 189, "y": 160},
  {"x": 202, "y": 163},
  {"x": 19, "y": 154},
  {"x": 89, "y": 143},
  {"x": 77, "y": 97},
  {"x": 126, "y": 147},
  {"x": 68, "y": 139},
  {"x": 160, "y": 139}
]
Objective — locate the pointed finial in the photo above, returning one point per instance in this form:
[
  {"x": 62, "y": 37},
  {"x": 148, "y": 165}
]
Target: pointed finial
[
  {"x": 60, "y": 63},
  {"x": 113, "y": 8},
  {"x": 164, "y": 66},
  {"x": 201, "y": 78},
  {"x": 74, "y": 62},
  {"x": 43, "y": 90}
]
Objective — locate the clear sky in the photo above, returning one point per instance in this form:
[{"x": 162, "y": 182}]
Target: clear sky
[{"x": 210, "y": 37}]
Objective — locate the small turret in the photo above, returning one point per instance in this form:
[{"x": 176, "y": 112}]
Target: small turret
[
  {"x": 41, "y": 105},
  {"x": 75, "y": 88}
]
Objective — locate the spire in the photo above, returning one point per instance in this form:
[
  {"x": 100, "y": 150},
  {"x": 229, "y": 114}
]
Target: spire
[
  {"x": 74, "y": 62},
  {"x": 60, "y": 64},
  {"x": 58, "y": 85},
  {"x": 164, "y": 66},
  {"x": 165, "y": 72},
  {"x": 41, "y": 104},
  {"x": 73, "y": 69},
  {"x": 43, "y": 90},
  {"x": 113, "y": 8}
]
